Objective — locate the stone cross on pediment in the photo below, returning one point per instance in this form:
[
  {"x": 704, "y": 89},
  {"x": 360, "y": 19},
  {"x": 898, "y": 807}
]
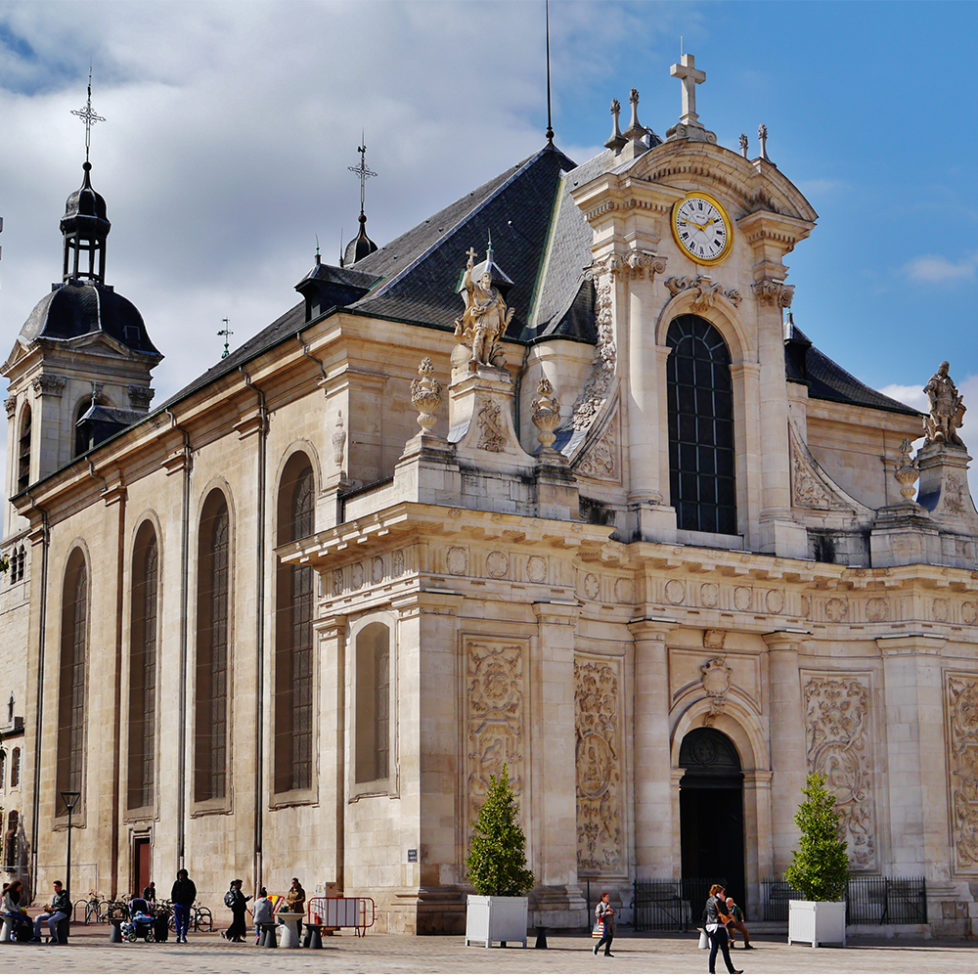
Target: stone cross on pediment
[{"x": 691, "y": 76}]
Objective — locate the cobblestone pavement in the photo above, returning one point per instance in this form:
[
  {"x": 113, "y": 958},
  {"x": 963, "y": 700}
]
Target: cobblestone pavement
[{"x": 91, "y": 953}]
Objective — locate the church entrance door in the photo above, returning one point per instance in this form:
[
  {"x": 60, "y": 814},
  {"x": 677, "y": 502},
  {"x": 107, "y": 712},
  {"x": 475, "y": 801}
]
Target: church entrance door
[{"x": 711, "y": 813}]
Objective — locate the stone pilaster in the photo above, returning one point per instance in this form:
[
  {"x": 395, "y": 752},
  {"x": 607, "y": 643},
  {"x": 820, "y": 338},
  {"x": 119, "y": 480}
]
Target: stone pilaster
[{"x": 654, "y": 851}]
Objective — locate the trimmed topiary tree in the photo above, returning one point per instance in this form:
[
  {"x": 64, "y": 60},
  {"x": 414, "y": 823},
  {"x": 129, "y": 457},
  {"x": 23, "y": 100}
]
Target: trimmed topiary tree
[
  {"x": 820, "y": 866},
  {"x": 496, "y": 862}
]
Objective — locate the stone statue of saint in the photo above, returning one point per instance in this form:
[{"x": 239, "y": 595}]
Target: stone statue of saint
[
  {"x": 485, "y": 318},
  {"x": 946, "y": 409}
]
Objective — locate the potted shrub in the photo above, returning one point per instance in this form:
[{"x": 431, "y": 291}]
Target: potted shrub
[
  {"x": 496, "y": 866},
  {"x": 819, "y": 870}
]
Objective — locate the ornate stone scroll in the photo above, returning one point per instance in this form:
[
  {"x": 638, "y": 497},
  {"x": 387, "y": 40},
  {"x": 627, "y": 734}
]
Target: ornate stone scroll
[
  {"x": 707, "y": 291},
  {"x": 839, "y": 746},
  {"x": 595, "y": 390},
  {"x": 716, "y": 682},
  {"x": 600, "y": 816},
  {"x": 495, "y": 718},
  {"x": 492, "y": 434},
  {"x": 603, "y": 458},
  {"x": 773, "y": 292},
  {"x": 961, "y": 739}
]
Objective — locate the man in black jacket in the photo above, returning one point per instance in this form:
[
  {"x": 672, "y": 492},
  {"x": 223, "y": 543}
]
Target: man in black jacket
[
  {"x": 57, "y": 910},
  {"x": 182, "y": 895}
]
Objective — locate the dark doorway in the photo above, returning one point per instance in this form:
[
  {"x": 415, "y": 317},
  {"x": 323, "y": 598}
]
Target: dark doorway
[
  {"x": 711, "y": 811},
  {"x": 140, "y": 864}
]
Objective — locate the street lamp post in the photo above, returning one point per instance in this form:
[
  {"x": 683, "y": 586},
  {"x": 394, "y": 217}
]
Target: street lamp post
[{"x": 70, "y": 799}]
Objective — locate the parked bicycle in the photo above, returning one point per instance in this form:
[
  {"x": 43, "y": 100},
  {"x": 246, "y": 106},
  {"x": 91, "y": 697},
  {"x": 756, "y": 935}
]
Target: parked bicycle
[
  {"x": 90, "y": 911},
  {"x": 200, "y": 918}
]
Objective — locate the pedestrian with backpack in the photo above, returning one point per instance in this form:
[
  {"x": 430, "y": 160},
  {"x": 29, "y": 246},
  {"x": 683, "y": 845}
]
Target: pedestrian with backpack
[{"x": 237, "y": 903}]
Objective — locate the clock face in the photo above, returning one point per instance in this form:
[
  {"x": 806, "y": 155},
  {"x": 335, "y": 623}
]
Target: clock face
[{"x": 701, "y": 228}]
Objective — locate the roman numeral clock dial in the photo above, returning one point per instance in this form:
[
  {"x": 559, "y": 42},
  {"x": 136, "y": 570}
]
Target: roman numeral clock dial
[{"x": 702, "y": 228}]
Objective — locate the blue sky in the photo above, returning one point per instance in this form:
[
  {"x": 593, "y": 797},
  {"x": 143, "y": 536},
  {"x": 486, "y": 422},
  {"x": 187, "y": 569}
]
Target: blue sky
[{"x": 230, "y": 127}]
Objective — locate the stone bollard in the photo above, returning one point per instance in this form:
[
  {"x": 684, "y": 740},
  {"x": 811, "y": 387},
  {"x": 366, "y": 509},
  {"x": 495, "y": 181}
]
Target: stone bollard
[
  {"x": 541, "y": 944},
  {"x": 268, "y": 936},
  {"x": 115, "y": 937},
  {"x": 313, "y": 939}
]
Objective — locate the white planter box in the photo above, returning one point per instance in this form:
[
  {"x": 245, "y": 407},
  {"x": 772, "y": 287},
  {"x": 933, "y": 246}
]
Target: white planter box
[
  {"x": 500, "y": 919},
  {"x": 817, "y": 922}
]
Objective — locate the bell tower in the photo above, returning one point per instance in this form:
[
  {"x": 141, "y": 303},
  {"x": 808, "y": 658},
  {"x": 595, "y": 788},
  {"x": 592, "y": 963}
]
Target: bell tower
[{"x": 80, "y": 368}]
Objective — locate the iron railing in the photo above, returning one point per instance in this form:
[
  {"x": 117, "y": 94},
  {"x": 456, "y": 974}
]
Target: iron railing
[
  {"x": 869, "y": 900},
  {"x": 670, "y": 905}
]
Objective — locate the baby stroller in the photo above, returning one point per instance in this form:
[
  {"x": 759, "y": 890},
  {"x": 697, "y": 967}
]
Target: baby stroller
[{"x": 140, "y": 922}]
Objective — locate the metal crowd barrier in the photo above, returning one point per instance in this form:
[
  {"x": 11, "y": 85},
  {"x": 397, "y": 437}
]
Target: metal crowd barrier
[{"x": 331, "y": 913}]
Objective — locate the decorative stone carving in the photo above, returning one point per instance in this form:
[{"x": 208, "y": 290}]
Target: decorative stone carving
[
  {"x": 624, "y": 590},
  {"x": 940, "y": 609},
  {"x": 709, "y": 595},
  {"x": 376, "y": 570},
  {"x": 545, "y": 412},
  {"x": 961, "y": 738},
  {"x": 616, "y": 141},
  {"x": 591, "y": 586},
  {"x": 600, "y": 809},
  {"x": 356, "y": 575},
  {"x": 337, "y": 582},
  {"x": 707, "y": 291},
  {"x": 906, "y": 470},
  {"x": 492, "y": 434},
  {"x": 969, "y": 612},
  {"x": 495, "y": 698},
  {"x": 53, "y": 385},
  {"x": 603, "y": 458},
  {"x": 595, "y": 390},
  {"x": 807, "y": 486},
  {"x": 338, "y": 438},
  {"x": 716, "y": 683},
  {"x": 675, "y": 591},
  {"x": 140, "y": 397},
  {"x": 636, "y": 265},
  {"x": 456, "y": 560},
  {"x": 773, "y": 292},
  {"x": 743, "y": 597},
  {"x": 10, "y": 404},
  {"x": 877, "y": 609},
  {"x": 839, "y": 746},
  {"x": 836, "y": 609},
  {"x": 946, "y": 410},
  {"x": 397, "y": 563},
  {"x": 486, "y": 315},
  {"x": 497, "y": 564},
  {"x": 426, "y": 395},
  {"x": 536, "y": 569},
  {"x": 774, "y": 600},
  {"x": 713, "y": 638}
]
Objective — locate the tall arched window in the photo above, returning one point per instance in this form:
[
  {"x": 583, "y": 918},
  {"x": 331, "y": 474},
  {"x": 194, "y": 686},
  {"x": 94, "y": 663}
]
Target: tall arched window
[
  {"x": 15, "y": 768},
  {"x": 701, "y": 429},
  {"x": 373, "y": 703},
  {"x": 293, "y": 633},
  {"x": 213, "y": 579},
  {"x": 10, "y": 842},
  {"x": 24, "y": 450},
  {"x": 72, "y": 680},
  {"x": 143, "y": 646}
]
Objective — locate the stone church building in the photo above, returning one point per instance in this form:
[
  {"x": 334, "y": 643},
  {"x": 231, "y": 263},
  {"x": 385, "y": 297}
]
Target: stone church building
[{"x": 584, "y": 501}]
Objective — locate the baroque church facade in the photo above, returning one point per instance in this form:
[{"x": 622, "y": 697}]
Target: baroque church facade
[{"x": 585, "y": 502}]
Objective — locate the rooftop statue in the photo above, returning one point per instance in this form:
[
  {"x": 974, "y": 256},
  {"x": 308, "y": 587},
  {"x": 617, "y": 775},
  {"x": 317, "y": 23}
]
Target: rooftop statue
[
  {"x": 486, "y": 315},
  {"x": 946, "y": 410}
]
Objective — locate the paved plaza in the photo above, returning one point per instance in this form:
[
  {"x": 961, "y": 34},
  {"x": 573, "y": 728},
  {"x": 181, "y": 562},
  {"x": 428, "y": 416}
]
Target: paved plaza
[{"x": 91, "y": 953}]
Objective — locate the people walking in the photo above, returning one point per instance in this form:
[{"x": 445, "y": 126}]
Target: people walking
[
  {"x": 237, "y": 903},
  {"x": 604, "y": 920},
  {"x": 716, "y": 920},
  {"x": 736, "y": 916},
  {"x": 182, "y": 896},
  {"x": 57, "y": 910},
  {"x": 296, "y": 897}
]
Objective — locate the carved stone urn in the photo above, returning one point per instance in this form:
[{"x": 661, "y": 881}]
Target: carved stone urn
[
  {"x": 426, "y": 395},
  {"x": 545, "y": 412}
]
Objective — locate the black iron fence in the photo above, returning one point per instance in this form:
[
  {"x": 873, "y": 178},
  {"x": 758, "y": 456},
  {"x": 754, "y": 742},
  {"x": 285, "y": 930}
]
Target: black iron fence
[
  {"x": 666, "y": 905},
  {"x": 869, "y": 900}
]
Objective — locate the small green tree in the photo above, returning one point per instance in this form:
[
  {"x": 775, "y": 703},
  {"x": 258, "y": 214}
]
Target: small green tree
[
  {"x": 496, "y": 861},
  {"x": 820, "y": 865}
]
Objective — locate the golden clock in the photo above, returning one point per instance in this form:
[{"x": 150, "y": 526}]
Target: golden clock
[{"x": 702, "y": 228}]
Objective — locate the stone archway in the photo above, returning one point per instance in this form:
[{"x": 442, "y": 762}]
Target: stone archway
[{"x": 711, "y": 811}]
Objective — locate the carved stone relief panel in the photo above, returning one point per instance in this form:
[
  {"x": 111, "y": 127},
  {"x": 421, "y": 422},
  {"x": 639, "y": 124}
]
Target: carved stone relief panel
[
  {"x": 600, "y": 793},
  {"x": 495, "y": 719},
  {"x": 456, "y": 560},
  {"x": 713, "y": 672},
  {"x": 961, "y": 739},
  {"x": 603, "y": 459},
  {"x": 536, "y": 569},
  {"x": 839, "y": 740}
]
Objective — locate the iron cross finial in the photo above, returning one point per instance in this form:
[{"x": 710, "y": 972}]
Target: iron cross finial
[
  {"x": 361, "y": 171},
  {"x": 88, "y": 116}
]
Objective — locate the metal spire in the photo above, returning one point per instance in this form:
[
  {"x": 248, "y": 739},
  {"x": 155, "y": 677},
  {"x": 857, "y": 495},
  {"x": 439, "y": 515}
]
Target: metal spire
[
  {"x": 88, "y": 116},
  {"x": 550, "y": 128},
  {"x": 361, "y": 171},
  {"x": 227, "y": 333}
]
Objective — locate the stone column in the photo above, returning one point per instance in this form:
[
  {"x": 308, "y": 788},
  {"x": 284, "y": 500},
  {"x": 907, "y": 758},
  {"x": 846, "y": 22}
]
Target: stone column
[
  {"x": 330, "y": 634},
  {"x": 915, "y": 748},
  {"x": 553, "y": 765},
  {"x": 654, "y": 848},
  {"x": 789, "y": 765}
]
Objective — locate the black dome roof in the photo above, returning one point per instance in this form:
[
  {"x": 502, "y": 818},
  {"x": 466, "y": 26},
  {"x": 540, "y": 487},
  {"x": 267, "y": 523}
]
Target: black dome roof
[
  {"x": 78, "y": 308},
  {"x": 85, "y": 213}
]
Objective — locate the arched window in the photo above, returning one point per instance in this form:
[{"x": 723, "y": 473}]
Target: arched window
[
  {"x": 24, "y": 451},
  {"x": 10, "y": 842},
  {"x": 3, "y": 768},
  {"x": 143, "y": 639},
  {"x": 72, "y": 680},
  {"x": 15, "y": 768},
  {"x": 701, "y": 428},
  {"x": 293, "y": 633},
  {"x": 213, "y": 579},
  {"x": 373, "y": 703}
]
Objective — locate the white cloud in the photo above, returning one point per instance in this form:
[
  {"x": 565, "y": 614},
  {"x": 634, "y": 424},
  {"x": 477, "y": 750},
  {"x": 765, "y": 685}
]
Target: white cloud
[{"x": 935, "y": 268}]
